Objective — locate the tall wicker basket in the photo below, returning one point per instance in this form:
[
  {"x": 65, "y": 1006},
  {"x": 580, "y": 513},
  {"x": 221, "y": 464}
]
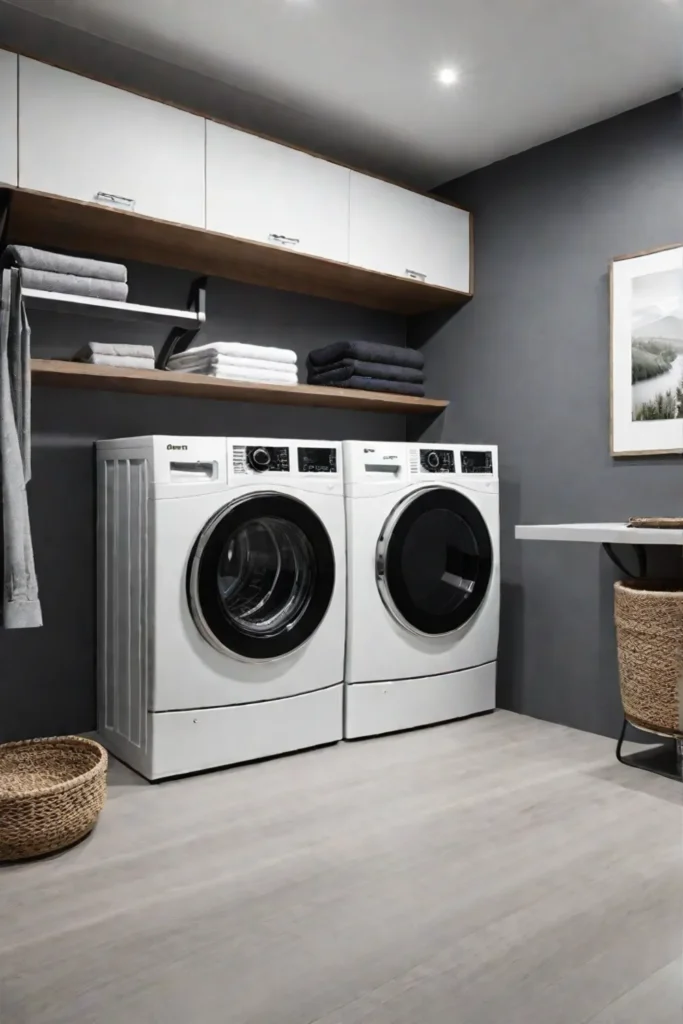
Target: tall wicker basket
[{"x": 649, "y": 620}]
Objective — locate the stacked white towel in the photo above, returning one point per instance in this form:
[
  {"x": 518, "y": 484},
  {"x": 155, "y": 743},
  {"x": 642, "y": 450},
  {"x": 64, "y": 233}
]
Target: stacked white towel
[
  {"x": 233, "y": 360},
  {"x": 98, "y": 353}
]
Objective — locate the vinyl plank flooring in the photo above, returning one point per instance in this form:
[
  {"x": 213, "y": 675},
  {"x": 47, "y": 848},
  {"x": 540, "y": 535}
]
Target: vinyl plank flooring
[
  {"x": 498, "y": 869},
  {"x": 657, "y": 1000}
]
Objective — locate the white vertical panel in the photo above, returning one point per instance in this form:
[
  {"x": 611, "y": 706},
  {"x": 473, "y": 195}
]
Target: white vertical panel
[
  {"x": 80, "y": 138},
  {"x": 123, "y": 596},
  {"x": 8, "y": 117},
  {"x": 267, "y": 192},
  {"x": 396, "y": 231}
]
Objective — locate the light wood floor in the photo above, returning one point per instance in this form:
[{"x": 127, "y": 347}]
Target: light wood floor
[{"x": 494, "y": 871}]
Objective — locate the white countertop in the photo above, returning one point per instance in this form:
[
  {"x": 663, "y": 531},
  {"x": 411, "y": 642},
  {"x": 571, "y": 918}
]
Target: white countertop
[{"x": 599, "y": 533}]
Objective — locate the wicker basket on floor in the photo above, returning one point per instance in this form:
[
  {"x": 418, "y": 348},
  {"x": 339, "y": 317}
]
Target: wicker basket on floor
[
  {"x": 649, "y": 620},
  {"x": 51, "y": 792}
]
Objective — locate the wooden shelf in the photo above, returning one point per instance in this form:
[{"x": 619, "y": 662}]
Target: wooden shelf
[
  {"x": 58, "y": 374},
  {"x": 58, "y": 302},
  {"x": 45, "y": 221}
]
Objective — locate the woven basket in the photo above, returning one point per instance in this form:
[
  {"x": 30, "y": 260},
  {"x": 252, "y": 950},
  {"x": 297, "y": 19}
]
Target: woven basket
[
  {"x": 649, "y": 620},
  {"x": 51, "y": 792}
]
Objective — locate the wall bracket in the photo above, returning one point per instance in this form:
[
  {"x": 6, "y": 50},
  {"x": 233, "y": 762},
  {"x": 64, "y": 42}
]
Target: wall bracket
[{"x": 180, "y": 337}]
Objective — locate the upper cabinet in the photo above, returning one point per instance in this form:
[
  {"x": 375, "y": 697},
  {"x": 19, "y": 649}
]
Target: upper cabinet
[
  {"x": 266, "y": 192},
  {"x": 84, "y": 140},
  {"x": 215, "y": 199},
  {"x": 395, "y": 231},
  {"x": 8, "y": 118}
]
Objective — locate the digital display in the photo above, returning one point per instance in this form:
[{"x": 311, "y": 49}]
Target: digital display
[
  {"x": 436, "y": 461},
  {"x": 477, "y": 462},
  {"x": 317, "y": 460}
]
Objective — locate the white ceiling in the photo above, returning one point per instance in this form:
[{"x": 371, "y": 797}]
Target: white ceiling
[{"x": 531, "y": 70}]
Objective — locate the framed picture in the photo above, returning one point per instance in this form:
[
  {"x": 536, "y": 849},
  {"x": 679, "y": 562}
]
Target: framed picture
[{"x": 647, "y": 353}]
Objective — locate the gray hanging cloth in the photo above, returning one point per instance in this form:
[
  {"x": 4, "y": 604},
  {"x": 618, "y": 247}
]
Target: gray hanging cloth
[{"x": 20, "y": 603}]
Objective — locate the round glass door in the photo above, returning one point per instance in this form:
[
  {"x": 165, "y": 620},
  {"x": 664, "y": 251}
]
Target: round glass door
[
  {"x": 434, "y": 561},
  {"x": 261, "y": 577}
]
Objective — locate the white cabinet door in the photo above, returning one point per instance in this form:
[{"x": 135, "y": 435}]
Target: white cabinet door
[
  {"x": 263, "y": 191},
  {"x": 8, "y": 118},
  {"x": 395, "y": 231},
  {"x": 85, "y": 140}
]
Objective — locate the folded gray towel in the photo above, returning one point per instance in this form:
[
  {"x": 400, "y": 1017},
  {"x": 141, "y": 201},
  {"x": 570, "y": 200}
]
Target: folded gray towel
[
  {"x": 101, "y": 348},
  {"x": 38, "y": 259},
  {"x": 69, "y": 284},
  {"x": 346, "y": 368},
  {"x": 135, "y": 361},
  {"x": 396, "y": 387},
  {"x": 372, "y": 351}
]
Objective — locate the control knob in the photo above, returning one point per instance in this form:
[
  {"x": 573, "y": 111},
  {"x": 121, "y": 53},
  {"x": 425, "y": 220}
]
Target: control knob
[{"x": 259, "y": 459}]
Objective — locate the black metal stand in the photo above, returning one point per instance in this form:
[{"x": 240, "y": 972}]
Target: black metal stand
[
  {"x": 662, "y": 759},
  {"x": 180, "y": 337}
]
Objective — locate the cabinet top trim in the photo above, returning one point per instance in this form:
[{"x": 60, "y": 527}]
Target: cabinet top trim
[{"x": 229, "y": 124}]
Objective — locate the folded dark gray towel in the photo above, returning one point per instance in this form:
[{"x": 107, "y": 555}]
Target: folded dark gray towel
[
  {"x": 69, "y": 284},
  {"x": 396, "y": 387},
  {"x": 372, "y": 351},
  {"x": 346, "y": 368},
  {"x": 39, "y": 259}
]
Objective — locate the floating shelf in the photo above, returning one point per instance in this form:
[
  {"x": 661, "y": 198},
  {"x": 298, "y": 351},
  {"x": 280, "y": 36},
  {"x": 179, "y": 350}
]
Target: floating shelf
[
  {"x": 57, "y": 302},
  {"x": 59, "y": 374},
  {"x": 599, "y": 533},
  {"x": 45, "y": 221}
]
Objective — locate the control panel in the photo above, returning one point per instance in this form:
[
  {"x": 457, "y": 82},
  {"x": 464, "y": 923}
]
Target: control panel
[
  {"x": 476, "y": 462},
  {"x": 434, "y": 460},
  {"x": 264, "y": 459},
  {"x": 317, "y": 460}
]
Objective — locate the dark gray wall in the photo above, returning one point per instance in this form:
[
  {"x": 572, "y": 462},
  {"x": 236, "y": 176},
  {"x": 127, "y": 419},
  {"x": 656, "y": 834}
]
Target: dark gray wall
[
  {"x": 47, "y": 681},
  {"x": 526, "y": 366}
]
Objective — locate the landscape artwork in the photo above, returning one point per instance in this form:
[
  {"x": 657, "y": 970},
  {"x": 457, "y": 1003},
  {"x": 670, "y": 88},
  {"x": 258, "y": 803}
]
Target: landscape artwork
[
  {"x": 647, "y": 353},
  {"x": 657, "y": 346}
]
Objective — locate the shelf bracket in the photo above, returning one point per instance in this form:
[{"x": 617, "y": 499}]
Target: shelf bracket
[
  {"x": 180, "y": 337},
  {"x": 641, "y": 555}
]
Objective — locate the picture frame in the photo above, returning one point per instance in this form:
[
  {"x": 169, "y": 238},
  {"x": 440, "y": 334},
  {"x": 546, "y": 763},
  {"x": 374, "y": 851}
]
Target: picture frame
[{"x": 646, "y": 344}]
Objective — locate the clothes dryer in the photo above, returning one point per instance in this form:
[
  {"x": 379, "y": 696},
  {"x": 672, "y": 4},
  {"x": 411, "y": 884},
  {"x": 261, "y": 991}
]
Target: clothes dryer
[{"x": 423, "y": 585}]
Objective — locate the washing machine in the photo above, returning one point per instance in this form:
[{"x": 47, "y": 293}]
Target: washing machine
[
  {"x": 221, "y": 599},
  {"x": 423, "y": 584}
]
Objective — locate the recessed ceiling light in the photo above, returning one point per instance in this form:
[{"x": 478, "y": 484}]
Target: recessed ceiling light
[{"x": 447, "y": 76}]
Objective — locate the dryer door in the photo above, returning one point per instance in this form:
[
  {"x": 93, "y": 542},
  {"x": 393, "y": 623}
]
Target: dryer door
[
  {"x": 261, "y": 576},
  {"x": 434, "y": 561}
]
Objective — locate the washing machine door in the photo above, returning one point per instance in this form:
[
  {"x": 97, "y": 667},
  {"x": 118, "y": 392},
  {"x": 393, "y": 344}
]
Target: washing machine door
[
  {"x": 434, "y": 561},
  {"x": 261, "y": 576}
]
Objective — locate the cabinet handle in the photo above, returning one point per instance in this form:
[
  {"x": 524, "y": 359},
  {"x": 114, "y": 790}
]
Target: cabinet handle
[
  {"x": 416, "y": 275},
  {"x": 113, "y": 200},
  {"x": 283, "y": 239}
]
